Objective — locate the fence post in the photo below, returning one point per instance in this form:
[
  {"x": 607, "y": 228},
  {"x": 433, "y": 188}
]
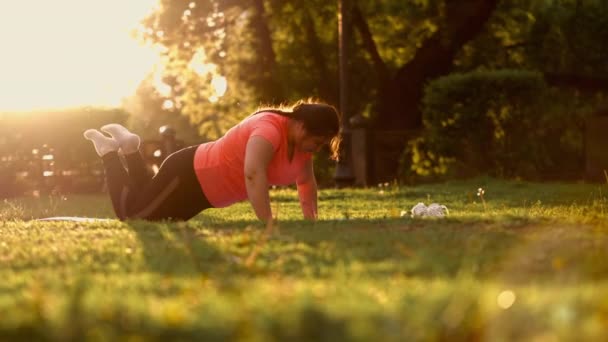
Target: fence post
[{"x": 596, "y": 147}]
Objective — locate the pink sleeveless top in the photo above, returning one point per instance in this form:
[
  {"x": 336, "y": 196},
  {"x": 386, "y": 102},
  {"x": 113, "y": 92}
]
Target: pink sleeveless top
[{"x": 219, "y": 165}]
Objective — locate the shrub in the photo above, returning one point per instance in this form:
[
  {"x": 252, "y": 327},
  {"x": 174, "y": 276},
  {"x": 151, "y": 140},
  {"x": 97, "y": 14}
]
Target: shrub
[{"x": 485, "y": 122}]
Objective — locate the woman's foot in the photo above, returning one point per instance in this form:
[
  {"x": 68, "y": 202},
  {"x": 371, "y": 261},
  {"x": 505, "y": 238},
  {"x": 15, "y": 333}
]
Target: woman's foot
[
  {"x": 129, "y": 142},
  {"x": 103, "y": 144}
]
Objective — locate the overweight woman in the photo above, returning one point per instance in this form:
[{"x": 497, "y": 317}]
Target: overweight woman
[{"x": 269, "y": 147}]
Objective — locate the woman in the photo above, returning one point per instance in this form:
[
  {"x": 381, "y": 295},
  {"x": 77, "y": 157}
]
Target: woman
[{"x": 270, "y": 147}]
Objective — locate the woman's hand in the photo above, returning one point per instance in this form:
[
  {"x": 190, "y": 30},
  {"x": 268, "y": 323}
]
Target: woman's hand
[{"x": 258, "y": 154}]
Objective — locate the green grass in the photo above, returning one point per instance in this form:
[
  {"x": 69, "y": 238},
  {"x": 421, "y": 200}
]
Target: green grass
[{"x": 361, "y": 273}]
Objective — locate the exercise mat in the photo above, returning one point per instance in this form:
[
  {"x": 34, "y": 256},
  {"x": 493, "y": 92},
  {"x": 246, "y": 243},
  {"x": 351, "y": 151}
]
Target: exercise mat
[{"x": 73, "y": 219}]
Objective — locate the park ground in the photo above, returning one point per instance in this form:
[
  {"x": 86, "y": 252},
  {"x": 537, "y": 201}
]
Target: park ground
[{"x": 525, "y": 261}]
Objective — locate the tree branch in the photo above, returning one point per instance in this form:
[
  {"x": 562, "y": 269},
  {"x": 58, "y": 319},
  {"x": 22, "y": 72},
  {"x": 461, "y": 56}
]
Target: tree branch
[
  {"x": 369, "y": 44},
  {"x": 314, "y": 43}
]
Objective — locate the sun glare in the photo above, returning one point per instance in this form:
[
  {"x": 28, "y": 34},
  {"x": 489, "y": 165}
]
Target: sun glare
[
  {"x": 219, "y": 84},
  {"x": 66, "y": 53}
]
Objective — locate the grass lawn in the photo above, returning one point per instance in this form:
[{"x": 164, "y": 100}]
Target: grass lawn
[{"x": 529, "y": 262}]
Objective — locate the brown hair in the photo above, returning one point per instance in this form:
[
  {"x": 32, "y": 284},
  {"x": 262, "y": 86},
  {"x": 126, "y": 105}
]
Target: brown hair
[{"x": 319, "y": 119}]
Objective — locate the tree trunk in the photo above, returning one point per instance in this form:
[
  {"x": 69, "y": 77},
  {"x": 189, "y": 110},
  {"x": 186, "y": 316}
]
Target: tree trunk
[
  {"x": 369, "y": 44},
  {"x": 400, "y": 98},
  {"x": 268, "y": 84},
  {"x": 327, "y": 87}
]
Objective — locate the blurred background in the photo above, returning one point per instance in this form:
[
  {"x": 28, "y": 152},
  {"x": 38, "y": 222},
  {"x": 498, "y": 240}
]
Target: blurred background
[{"x": 429, "y": 90}]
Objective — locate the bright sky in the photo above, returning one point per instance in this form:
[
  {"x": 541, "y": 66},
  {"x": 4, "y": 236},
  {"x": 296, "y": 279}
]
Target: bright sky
[{"x": 65, "y": 53}]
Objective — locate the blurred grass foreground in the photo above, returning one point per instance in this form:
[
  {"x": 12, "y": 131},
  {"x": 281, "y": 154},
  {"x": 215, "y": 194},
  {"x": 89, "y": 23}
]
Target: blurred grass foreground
[{"x": 527, "y": 261}]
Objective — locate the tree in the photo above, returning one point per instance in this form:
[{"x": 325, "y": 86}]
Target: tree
[
  {"x": 265, "y": 49},
  {"x": 203, "y": 43},
  {"x": 562, "y": 39},
  {"x": 400, "y": 94},
  {"x": 274, "y": 50},
  {"x": 567, "y": 44},
  {"x": 149, "y": 110}
]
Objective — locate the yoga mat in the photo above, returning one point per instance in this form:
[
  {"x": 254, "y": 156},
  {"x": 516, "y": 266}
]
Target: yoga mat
[{"x": 73, "y": 219}]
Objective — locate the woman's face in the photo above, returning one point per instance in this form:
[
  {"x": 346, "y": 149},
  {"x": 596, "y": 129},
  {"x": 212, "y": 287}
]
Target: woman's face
[
  {"x": 311, "y": 143},
  {"x": 306, "y": 142}
]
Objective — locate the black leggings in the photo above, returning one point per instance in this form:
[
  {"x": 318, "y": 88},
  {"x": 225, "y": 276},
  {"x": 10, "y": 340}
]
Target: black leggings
[{"x": 174, "y": 193}]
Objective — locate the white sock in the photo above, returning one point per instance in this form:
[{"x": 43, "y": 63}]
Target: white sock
[
  {"x": 129, "y": 142},
  {"x": 103, "y": 144}
]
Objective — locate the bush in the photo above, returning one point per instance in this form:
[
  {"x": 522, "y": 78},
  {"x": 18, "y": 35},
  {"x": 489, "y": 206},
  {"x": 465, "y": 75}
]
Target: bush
[{"x": 499, "y": 123}]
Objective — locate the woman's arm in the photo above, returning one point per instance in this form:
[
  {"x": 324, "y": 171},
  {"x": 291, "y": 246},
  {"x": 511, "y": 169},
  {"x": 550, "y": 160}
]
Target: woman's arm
[
  {"x": 307, "y": 191},
  {"x": 258, "y": 154}
]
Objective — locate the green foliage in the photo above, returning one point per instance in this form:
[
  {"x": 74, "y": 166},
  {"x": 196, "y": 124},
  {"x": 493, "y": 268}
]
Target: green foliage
[
  {"x": 299, "y": 62},
  {"x": 362, "y": 273},
  {"x": 567, "y": 37},
  {"x": 483, "y": 122},
  {"x": 504, "y": 41},
  {"x": 504, "y": 123},
  {"x": 563, "y": 36},
  {"x": 147, "y": 115},
  {"x": 200, "y": 41}
]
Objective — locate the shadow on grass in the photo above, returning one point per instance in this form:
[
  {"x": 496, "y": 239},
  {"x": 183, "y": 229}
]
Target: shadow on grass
[
  {"x": 516, "y": 251},
  {"x": 381, "y": 247},
  {"x": 179, "y": 249}
]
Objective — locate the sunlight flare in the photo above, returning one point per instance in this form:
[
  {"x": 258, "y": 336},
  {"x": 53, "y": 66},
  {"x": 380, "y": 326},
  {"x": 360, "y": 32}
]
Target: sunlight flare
[
  {"x": 219, "y": 84},
  {"x": 506, "y": 299},
  {"x": 199, "y": 66},
  {"x": 65, "y": 53}
]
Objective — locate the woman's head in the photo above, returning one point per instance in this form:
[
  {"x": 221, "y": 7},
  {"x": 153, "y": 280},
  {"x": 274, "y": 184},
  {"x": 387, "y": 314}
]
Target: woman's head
[
  {"x": 320, "y": 124},
  {"x": 319, "y": 119}
]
